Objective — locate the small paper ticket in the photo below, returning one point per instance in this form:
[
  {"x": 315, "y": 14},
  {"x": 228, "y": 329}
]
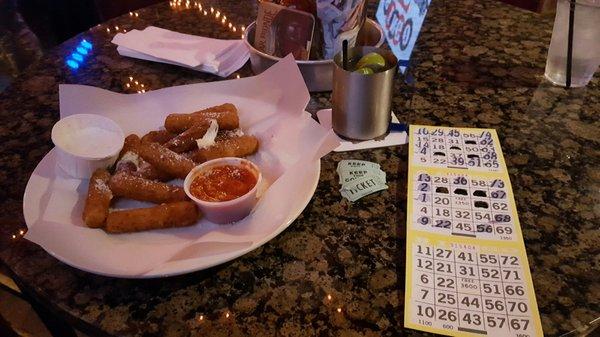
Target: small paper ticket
[
  {"x": 347, "y": 177},
  {"x": 360, "y": 178}
]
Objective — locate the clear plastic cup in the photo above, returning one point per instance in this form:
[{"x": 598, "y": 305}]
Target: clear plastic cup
[{"x": 586, "y": 43}]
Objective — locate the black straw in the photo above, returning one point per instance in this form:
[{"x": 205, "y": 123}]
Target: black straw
[
  {"x": 570, "y": 42},
  {"x": 345, "y": 54}
]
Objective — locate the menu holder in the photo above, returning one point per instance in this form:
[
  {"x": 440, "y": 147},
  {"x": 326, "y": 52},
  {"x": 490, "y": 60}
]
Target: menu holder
[
  {"x": 466, "y": 266},
  {"x": 281, "y": 31}
]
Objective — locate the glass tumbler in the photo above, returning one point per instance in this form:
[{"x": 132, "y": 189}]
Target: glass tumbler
[{"x": 586, "y": 43}]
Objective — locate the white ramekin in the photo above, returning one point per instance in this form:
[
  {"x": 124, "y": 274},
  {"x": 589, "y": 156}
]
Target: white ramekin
[
  {"x": 73, "y": 160},
  {"x": 224, "y": 212}
]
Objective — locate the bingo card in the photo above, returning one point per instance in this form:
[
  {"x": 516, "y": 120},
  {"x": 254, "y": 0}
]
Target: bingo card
[{"x": 466, "y": 266}]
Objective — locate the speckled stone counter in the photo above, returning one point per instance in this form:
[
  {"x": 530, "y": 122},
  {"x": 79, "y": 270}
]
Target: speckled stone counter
[{"x": 477, "y": 63}]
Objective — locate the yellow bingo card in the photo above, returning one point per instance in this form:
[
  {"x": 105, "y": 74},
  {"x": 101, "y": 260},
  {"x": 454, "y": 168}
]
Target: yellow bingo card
[{"x": 466, "y": 266}]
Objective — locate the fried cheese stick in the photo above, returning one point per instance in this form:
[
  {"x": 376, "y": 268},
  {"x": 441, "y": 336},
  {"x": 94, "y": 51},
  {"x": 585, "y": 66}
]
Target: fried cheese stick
[
  {"x": 130, "y": 161},
  {"x": 225, "y": 114},
  {"x": 98, "y": 199},
  {"x": 186, "y": 141},
  {"x": 236, "y": 146},
  {"x": 165, "y": 160},
  {"x": 176, "y": 214},
  {"x": 132, "y": 187},
  {"x": 159, "y": 136}
]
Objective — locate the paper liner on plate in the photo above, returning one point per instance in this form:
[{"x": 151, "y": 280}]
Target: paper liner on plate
[{"x": 271, "y": 107}]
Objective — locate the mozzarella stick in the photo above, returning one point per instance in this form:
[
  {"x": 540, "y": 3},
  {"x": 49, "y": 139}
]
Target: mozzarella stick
[
  {"x": 186, "y": 141},
  {"x": 225, "y": 114},
  {"x": 159, "y": 136},
  {"x": 98, "y": 199},
  {"x": 128, "y": 186},
  {"x": 130, "y": 143},
  {"x": 237, "y": 146},
  {"x": 165, "y": 160},
  {"x": 176, "y": 214},
  {"x": 129, "y": 161}
]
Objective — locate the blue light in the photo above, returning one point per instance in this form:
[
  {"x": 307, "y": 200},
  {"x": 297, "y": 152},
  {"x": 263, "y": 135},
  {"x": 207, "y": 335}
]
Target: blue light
[
  {"x": 85, "y": 44},
  {"x": 72, "y": 64},
  {"x": 77, "y": 57},
  {"x": 82, "y": 50}
]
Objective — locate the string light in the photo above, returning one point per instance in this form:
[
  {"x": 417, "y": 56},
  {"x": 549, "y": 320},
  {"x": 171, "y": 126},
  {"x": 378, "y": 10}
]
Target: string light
[
  {"x": 108, "y": 30},
  {"x": 85, "y": 44},
  {"x": 77, "y": 57},
  {"x": 201, "y": 318},
  {"x": 227, "y": 315},
  {"x": 329, "y": 297},
  {"x": 135, "y": 84},
  {"x": 116, "y": 27},
  {"x": 218, "y": 15},
  {"x": 339, "y": 309},
  {"x": 14, "y": 236},
  {"x": 21, "y": 232}
]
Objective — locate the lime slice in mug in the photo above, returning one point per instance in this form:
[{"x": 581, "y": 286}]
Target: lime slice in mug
[
  {"x": 371, "y": 60},
  {"x": 364, "y": 71}
]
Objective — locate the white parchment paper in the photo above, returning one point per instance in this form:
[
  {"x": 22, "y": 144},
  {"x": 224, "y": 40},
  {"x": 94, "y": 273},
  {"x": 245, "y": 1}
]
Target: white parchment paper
[{"x": 271, "y": 107}]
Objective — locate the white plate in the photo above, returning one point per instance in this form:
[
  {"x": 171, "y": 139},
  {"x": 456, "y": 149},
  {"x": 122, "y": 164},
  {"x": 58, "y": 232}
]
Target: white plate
[
  {"x": 39, "y": 188},
  {"x": 271, "y": 107}
]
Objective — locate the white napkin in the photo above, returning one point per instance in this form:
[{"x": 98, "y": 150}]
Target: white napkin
[
  {"x": 391, "y": 139},
  {"x": 220, "y": 57}
]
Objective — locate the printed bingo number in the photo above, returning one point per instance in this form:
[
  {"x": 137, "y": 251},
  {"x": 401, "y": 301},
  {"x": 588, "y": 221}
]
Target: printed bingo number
[
  {"x": 459, "y": 288},
  {"x": 451, "y": 148},
  {"x": 462, "y": 205}
]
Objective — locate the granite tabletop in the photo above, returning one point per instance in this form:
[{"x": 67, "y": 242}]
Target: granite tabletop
[{"x": 338, "y": 270}]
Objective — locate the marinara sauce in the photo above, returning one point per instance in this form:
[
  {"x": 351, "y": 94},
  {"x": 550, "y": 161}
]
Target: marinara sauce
[{"x": 223, "y": 183}]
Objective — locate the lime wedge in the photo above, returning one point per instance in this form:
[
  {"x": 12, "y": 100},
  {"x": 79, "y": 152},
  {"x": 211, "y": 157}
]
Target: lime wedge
[
  {"x": 364, "y": 71},
  {"x": 371, "y": 60}
]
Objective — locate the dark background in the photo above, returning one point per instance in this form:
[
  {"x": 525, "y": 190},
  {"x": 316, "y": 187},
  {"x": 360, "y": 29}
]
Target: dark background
[
  {"x": 28, "y": 27},
  {"x": 54, "y": 21}
]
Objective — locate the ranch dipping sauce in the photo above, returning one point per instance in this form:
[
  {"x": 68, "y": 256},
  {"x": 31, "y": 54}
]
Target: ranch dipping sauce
[
  {"x": 86, "y": 142},
  {"x": 91, "y": 142},
  {"x": 223, "y": 183}
]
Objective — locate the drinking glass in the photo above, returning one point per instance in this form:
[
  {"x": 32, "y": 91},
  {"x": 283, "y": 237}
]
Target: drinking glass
[{"x": 586, "y": 43}]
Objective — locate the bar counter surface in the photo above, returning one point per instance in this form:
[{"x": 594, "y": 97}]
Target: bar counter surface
[{"x": 339, "y": 268}]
